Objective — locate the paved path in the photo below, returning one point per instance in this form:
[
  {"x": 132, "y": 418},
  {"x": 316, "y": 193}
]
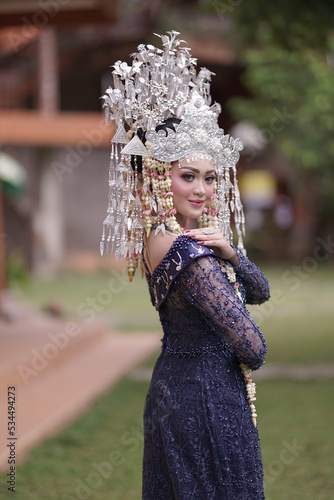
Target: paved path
[{"x": 57, "y": 368}]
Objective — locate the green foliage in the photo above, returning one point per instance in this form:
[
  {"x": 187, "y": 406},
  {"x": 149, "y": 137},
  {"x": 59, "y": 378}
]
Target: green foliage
[
  {"x": 293, "y": 25},
  {"x": 293, "y": 96},
  {"x": 288, "y": 52}
]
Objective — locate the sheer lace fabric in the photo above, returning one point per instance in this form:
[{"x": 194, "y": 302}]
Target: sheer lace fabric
[{"x": 200, "y": 442}]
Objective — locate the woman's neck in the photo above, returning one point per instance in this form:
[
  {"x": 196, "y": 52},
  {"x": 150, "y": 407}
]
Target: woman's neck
[{"x": 186, "y": 223}]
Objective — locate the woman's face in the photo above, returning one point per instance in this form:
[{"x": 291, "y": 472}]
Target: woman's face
[{"x": 192, "y": 187}]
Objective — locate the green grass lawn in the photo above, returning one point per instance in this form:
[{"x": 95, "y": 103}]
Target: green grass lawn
[
  {"x": 99, "y": 456},
  {"x": 298, "y": 320}
]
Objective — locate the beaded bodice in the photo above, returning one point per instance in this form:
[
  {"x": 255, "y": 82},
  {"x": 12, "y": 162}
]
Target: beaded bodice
[{"x": 199, "y": 308}]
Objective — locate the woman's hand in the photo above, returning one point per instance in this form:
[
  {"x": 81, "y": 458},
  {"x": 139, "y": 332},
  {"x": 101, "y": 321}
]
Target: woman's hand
[{"x": 213, "y": 238}]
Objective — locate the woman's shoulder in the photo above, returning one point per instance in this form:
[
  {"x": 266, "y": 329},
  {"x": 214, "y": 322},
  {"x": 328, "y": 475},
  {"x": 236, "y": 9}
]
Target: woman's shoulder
[
  {"x": 161, "y": 242},
  {"x": 175, "y": 253},
  {"x": 157, "y": 246},
  {"x": 162, "y": 248}
]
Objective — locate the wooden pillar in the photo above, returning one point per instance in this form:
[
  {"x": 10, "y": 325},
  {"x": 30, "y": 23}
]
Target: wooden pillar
[
  {"x": 49, "y": 217},
  {"x": 48, "y": 92}
]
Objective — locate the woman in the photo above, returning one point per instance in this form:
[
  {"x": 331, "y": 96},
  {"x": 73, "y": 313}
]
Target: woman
[
  {"x": 171, "y": 199},
  {"x": 200, "y": 441}
]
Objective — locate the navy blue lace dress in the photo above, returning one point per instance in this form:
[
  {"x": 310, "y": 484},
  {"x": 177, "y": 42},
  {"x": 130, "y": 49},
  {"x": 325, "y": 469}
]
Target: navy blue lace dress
[{"x": 199, "y": 439}]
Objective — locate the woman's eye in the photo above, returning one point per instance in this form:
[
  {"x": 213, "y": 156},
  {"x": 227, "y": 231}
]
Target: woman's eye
[
  {"x": 210, "y": 180},
  {"x": 188, "y": 177}
]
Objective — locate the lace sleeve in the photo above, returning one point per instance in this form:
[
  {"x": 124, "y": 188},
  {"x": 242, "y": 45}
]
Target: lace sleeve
[
  {"x": 207, "y": 288},
  {"x": 255, "y": 283}
]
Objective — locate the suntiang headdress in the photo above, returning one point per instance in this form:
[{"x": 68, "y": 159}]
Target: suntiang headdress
[{"x": 163, "y": 85}]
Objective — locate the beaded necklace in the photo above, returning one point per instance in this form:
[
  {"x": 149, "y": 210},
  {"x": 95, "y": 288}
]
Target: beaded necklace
[{"x": 247, "y": 372}]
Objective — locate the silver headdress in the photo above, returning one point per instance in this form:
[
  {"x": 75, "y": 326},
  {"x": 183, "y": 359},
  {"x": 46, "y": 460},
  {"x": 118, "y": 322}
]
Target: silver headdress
[{"x": 162, "y": 84}]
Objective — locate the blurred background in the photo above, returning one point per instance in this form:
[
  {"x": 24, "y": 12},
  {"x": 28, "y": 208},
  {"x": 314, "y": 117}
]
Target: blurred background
[{"x": 77, "y": 342}]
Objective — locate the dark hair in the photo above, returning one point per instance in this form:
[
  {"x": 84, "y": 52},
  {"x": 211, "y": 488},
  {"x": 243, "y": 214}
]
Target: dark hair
[{"x": 167, "y": 124}]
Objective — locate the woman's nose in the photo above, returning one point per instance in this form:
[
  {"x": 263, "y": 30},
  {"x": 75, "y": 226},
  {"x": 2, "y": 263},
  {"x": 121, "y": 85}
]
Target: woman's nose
[{"x": 199, "y": 188}]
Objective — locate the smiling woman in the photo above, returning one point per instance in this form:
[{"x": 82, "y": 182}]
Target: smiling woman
[
  {"x": 192, "y": 188},
  {"x": 173, "y": 189}
]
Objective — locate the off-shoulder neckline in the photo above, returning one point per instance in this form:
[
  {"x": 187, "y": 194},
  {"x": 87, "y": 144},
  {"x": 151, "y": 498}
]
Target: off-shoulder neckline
[{"x": 166, "y": 256}]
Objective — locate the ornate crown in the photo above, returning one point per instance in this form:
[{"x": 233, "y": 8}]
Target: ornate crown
[{"x": 162, "y": 84}]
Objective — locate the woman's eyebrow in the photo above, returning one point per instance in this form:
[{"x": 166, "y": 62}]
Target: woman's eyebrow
[
  {"x": 190, "y": 168},
  {"x": 212, "y": 171}
]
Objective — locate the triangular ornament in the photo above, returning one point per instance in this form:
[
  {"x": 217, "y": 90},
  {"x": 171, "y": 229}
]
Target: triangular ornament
[
  {"x": 135, "y": 147},
  {"x": 120, "y": 136}
]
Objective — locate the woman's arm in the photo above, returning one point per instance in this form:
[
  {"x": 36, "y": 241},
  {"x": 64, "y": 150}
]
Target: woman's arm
[
  {"x": 207, "y": 288},
  {"x": 255, "y": 283}
]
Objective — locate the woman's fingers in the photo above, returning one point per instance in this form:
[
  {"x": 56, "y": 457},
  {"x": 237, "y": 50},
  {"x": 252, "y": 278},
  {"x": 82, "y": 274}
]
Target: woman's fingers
[{"x": 213, "y": 238}]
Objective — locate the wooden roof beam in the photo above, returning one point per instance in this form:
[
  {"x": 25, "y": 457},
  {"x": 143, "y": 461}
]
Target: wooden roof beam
[
  {"x": 33, "y": 14},
  {"x": 32, "y": 128}
]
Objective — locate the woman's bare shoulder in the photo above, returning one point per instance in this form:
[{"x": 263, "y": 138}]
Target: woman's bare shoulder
[{"x": 156, "y": 247}]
